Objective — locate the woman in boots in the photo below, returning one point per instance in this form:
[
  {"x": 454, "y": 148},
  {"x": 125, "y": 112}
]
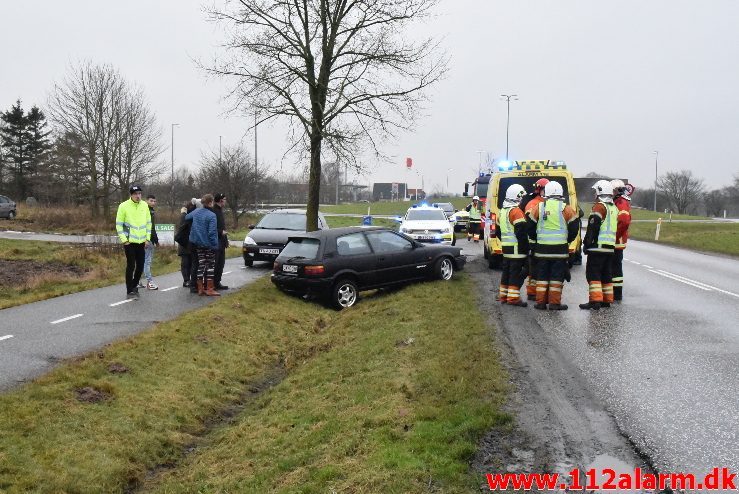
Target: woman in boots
[{"x": 204, "y": 243}]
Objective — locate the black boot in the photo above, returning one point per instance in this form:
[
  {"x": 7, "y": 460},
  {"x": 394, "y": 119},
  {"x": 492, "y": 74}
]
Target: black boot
[
  {"x": 540, "y": 306},
  {"x": 518, "y": 303},
  {"x": 605, "y": 305},
  {"x": 590, "y": 305},
  {"x": 221, "y": 287},
  {"x": 558, "y": 307}
]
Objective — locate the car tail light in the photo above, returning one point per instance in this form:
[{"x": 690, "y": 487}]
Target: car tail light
[
  {"x": 314, "y": 270},
  {"x": 492, "y": 223},
  {"x": 277, "y": 267}
]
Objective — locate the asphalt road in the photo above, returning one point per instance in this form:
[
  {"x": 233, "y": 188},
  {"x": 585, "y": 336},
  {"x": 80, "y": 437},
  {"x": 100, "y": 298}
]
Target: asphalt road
[
  {"x": 664, "y": 363},
  {"x": 35, "y": 337}
]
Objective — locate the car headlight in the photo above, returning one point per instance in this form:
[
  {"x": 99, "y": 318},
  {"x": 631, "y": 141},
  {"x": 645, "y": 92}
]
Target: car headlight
[
  {"x": 249, "y": 241},
  {"x": 405, "y": 230}
]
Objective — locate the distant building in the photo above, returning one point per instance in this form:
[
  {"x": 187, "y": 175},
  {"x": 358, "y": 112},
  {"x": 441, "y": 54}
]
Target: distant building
[
  {"x": 389, "y": 191},
  {"x": 584, "y": 190},
  {"x": 416, "y": 194}
]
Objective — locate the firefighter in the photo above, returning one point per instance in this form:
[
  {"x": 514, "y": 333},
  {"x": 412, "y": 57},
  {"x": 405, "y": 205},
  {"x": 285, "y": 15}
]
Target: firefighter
[
  {"x": 511, "y": 230},
  {"x": 622, "y": 201},
  {"x": 600, "y": 240},
  {"x": 553, "y": 225},
  {"x": 473, "y": 227},
  {"x": 528, "y": 203}
]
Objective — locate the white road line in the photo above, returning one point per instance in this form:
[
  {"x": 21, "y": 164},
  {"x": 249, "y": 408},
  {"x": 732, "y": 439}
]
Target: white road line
[
  {"x": 710, "y": 287},
  {"x": 228, "y": 272},
  {"x": 6, "y": 337},
  {"x": 170, "y": 288},
  {"x": 637, "y": 263},
  {"x": 121, "y": 302},
  {"x": 67, "y": 318},
  {"x": 647, "y": 266},
  {"x": 666, "y": 275}
]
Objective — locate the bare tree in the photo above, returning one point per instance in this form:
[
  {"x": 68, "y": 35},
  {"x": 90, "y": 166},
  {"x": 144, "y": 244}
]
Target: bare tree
[
  {"x": 111, "y": 118},
  {"x": 232, "y": 173},
  {"x": 340, "y": 71},
  {"x": 715, "y": 202},
  {"x": 682, "y": 190}
]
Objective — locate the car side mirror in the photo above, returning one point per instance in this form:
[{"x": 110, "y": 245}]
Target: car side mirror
[
  {"x": 456, "y": 210},
  {"x": 251, "y": 227}
]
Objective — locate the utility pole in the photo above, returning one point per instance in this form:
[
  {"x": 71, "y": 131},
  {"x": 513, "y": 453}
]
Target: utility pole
[
  {"x": 256, "y": 124},
  {"x": 656, "y": 158},
  {"x": 508, "y": 98},
  {"x": 172, "y": 187}
]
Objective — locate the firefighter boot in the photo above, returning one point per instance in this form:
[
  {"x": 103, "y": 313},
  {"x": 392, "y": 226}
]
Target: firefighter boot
[
  {"x": 590, "y": 305},
  {"x": 514, "y": 297},
  {"x": 541, "y": 294},
  {"x": 555, "y": 296},
  {"x": 503, "y": 294},
  {"x": 210, "y": 290},
  {"x": 618, "y": 293}
]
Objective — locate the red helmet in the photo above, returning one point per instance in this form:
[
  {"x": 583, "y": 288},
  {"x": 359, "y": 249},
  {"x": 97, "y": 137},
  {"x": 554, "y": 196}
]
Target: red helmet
[{"x": 540, "y": 184}]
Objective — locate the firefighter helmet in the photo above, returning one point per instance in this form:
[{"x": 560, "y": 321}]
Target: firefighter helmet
[
  {"x": 619, "y": 187},
  {"x": 603, "y": 188},
  {"x": 513, "y": 195},
  {"x": 554, "y": 190},
  {"x": 540, "y": 184},
  {"x": 476, "y": 198}
]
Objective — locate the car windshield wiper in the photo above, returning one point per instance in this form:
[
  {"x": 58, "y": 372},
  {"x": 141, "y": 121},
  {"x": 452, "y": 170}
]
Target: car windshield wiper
[{"x": 295, "y": 258}]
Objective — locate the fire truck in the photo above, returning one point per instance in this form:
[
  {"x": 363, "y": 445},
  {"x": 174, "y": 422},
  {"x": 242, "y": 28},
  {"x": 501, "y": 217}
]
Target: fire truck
[{"x": 492, "y": 188}]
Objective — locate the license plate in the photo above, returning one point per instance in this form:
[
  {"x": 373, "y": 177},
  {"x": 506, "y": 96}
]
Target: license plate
[
  {"x": 269, "y": 251},
  {"x": 289, "y": 268},
  {"x": 425, "y": 237}
]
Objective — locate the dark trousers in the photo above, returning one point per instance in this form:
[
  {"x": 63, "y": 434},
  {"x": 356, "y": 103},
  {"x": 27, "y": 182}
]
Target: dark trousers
[
  {"x": 135, "y": 256},
  {"x": 550, "y": 277},
  {"x": 512, "y": 277},
  {"x": 193, "y": 269},
  {"x": 220, "y": 264},
  {"x": 617, "y": 272},
  {"x": 598, "y": 274},
  {"x": 185, "y": 261}
]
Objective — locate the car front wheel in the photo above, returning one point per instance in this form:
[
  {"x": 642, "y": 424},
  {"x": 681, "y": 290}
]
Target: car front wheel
[
  {"x": 444, "y": 269},
  {"x": 344, "y": 294}
]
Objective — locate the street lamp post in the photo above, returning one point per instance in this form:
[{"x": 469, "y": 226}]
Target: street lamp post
[
  {"x": 656, "y": 158},
  {"x": 508, "y": 98},
  {"x": 172, "y": 149}
]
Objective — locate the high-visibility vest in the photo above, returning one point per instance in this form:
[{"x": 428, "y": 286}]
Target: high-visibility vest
[
  {"x": 133, "y": 222},
  {"x": 551, "y": 228},
  {"x": 475, "y": 214},
  {"x": 508, "y": 236},
  {"x": 607, "y": 232}
]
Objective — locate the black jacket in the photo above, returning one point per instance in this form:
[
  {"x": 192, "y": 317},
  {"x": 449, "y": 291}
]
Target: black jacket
[
  {"x": 154, "y": 237},
  {"x": 220, "y": 224},
  {"x": 183, "y": 234}
]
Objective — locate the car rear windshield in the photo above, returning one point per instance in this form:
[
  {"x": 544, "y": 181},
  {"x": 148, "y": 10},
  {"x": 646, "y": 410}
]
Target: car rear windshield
[
  {"x": 426, "y": 215},
  {"x": 283, "y": 221},
  {"x": 446, "y": 206},
  {"x": 301, "y": 248},
  {"x": 528, "y": 184}
]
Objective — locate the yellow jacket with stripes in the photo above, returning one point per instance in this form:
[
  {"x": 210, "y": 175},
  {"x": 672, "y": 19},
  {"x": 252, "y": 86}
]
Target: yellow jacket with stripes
[{"x": 133, "y": 222}]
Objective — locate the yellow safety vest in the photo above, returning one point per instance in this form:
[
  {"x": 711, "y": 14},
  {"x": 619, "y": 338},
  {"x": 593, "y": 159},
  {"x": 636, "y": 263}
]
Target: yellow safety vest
[{"x": 133, "y": 222}]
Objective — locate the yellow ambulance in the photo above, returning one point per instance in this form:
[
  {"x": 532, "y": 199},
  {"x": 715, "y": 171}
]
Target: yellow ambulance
[{"x": 525, "y": 173}]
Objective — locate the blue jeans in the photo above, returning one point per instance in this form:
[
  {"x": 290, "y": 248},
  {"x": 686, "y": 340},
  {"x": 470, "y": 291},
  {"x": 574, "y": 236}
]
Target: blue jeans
[{"x": 149, "y": 251}]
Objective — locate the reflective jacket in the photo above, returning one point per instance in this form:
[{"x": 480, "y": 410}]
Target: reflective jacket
[
  {"x": 475, "y": 214},
  {"x": 513, "y": 239},
  {"x": 133, "y": 222},
  {"x": 602, "y": 224}
]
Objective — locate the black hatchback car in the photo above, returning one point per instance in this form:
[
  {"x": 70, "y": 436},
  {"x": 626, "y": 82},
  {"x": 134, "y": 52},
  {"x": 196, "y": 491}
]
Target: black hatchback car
[{"x": 340, "y": 262}]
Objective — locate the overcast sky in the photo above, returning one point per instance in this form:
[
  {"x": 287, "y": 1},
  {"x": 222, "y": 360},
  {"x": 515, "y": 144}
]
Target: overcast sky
[{"x": 602, "y": 84}]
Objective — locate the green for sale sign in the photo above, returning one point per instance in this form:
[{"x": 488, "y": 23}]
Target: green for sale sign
[{"x": 165, "y": 233}]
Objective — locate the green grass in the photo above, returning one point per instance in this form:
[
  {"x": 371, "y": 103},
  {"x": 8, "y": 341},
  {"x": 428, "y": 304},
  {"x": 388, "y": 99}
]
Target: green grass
[
  {"x": 644, "y": 214},
  {"x": 719, "y": 237},
  {"x": 98, "y": 266},
  {"x": 389, "y": 208},
  {"x": 391, "y": 396}
]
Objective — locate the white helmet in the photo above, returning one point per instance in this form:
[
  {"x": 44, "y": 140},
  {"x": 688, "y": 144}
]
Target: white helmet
[
  {"x": 513, "y": 195},
  {"x": 553, "y": 189},
  {"x": 603, "y": 190},
  {"x": 476, "y": 198},
  {"x": 617, "y": 183}
]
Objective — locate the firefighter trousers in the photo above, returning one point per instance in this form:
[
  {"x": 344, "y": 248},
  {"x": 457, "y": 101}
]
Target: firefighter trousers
[
  {"x": 598, "y": 274},
  {"x": 550, "y": 278},
  {"x": 511, "y": 279},
  {"x": 531, "y": 286},
  {"x": 473, "y": 231},
  {"x": 617, "y": 271}
]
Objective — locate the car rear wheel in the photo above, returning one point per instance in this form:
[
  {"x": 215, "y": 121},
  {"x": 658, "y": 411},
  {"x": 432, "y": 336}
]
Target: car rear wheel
[
  {"x": 444, "y": 269},
  {"x": 248, "y": 262},
  {"x": 344, "y": 294},
  {"x": 11, "y": 215}
]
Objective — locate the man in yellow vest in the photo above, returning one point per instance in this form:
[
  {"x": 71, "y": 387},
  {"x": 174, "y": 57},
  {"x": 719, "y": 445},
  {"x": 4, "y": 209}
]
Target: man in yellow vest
[
  {"x": 473, "y": 227},
  {"x": 133, "y": 225},
  {"x": 553, "y": 225},
  {"x": 600, "y": 239},
  {"x": 511, "y": 230}
]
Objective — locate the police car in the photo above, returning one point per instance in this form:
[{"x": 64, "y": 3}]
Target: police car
[{"x": 428, "y": 224}]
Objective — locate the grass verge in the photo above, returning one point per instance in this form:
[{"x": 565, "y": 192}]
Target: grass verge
[
  {"x": 34, "y": 270},
  {"x": 719, "y": 237},
  {"x": 390, "y": 396}
]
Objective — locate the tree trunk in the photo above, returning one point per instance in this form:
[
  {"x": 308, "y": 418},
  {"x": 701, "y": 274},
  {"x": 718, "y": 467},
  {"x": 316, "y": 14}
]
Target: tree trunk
[{"x": 314, "y": 182}]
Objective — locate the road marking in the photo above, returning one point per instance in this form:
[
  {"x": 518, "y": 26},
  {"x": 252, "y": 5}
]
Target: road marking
[
  {"x": 637, "y": 263},
  {"x": 709, "y": 287},
  {"x": 121, "y": 302},
  {"x": 170, "y": 288},
  {"x": 67, "y": 318},
  {"x": 647, "y": 266},
  {"x": 6, "y": 337},
  {"x": 228, "y": 272},
  {"x": 669, "y": 275}
]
